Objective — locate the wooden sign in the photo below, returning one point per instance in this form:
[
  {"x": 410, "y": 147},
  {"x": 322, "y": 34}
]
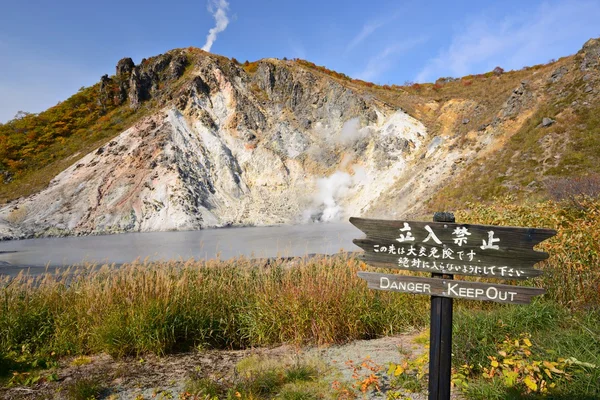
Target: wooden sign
[
  {"x": 449, "y": 248},
  {"x": 451, "y": 288}
]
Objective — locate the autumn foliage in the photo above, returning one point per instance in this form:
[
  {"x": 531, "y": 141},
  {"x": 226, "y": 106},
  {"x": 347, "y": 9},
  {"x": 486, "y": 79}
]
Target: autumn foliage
[{"x": 31, "y": 142}]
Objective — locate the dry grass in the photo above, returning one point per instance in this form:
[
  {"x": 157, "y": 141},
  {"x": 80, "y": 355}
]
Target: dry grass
[
  {"x": 571, "y": 274},
  {"x": 167, "y": 307},
  {"x": 173, "y": 306}
]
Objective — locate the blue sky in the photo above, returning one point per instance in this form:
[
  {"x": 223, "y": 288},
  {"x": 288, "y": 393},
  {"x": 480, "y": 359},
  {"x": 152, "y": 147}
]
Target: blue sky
[{"x": 49, "y": 49}]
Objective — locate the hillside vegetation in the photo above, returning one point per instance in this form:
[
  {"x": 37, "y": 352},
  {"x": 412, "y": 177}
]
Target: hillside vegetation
[{"x": 36, "y": 147}]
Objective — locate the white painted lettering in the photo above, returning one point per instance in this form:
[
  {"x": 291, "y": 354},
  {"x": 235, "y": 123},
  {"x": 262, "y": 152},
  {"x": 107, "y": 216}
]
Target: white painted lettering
[
  {"x": 384, "y": 282},
  {"x": 451, "y": 288},
  {"x": 461, "y": 234},
  {"x": 491, "y": 293},
  {"x": 490, "y": 242},
  {"x": 431, "y": 235},
  {"x": 408, "y": 237}
]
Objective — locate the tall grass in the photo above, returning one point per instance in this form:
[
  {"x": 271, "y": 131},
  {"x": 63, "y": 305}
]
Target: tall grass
[
  {"x": 572, "y": 273},
  {"x": 565, "y": 322},
  {"x": 167, "y": 307},
  {"x": 555, "y": 333},
  {"x": 176, "y": 306}
]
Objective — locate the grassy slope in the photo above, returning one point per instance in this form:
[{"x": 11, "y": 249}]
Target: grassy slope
[{"x": 36, "y": 148}]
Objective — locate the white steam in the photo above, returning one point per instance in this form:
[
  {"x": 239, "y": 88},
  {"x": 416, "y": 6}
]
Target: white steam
[
  {"x": 351, "y": 132},
  {"x": 332, "y": 190},
  {"x": 218, "y": 8}
]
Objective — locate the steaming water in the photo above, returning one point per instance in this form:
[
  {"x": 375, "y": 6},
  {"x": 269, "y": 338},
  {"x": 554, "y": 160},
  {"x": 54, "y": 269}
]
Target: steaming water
[{"x": 271, "y": 241}]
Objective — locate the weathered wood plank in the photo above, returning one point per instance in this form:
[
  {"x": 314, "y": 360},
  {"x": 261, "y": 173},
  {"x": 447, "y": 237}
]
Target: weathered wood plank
[
  {"x": 525, "y": 258},
  {"x": 444, "y": 247},
  {"x": 451, "y": 288},
  {"x": 440, "y": 335},
  {"x": 488, "y": 271},
  {"x": 510, "y": 237}
]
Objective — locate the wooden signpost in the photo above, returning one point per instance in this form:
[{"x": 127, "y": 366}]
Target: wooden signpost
[{"x": 445, "y": 249}]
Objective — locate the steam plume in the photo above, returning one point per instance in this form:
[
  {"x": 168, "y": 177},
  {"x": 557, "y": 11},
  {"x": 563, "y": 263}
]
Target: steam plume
[
  {"x": 352, "y": 132},
  {"x": 218, "y": 8},
  {"x": 332, "y": 190}
]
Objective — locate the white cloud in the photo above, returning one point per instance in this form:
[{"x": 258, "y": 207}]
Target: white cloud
[
  {"x": 368, "y": 29},
  {"x": 383, "y": 61},
  {"x": 549, "y": 32},
  {"x": 219, "y": 10}
]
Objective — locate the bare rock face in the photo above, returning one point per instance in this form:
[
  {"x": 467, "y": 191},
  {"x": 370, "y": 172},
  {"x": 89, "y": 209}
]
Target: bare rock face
[
  {"x": 177, "y": 66},
  {"x": 125, "y": 66},
  {"x": 591, "y": 55},
  {"x": 104, "y": 96},
  {"x": 546, "y": 122},
  {"x": 142, "y": 82},
  {"x": 279, "y": 146},
  {"x": 558, "y": 73},
  {"x": 519, "y": 99}
]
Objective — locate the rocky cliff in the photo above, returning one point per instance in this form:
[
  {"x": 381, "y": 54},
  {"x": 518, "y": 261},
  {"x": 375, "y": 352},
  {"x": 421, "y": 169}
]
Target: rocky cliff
[
  {"x": 280, "y": 145},
  {"x": 218, "y": 143}
]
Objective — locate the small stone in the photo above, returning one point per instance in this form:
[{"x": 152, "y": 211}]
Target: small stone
[
  {"x": 588, "y": 89},
  {"x": 547, "y": 122},
  {"x": 465, "y": 121}
]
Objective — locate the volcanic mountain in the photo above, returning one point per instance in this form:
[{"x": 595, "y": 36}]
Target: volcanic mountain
[{"x": 189, "y": 139}]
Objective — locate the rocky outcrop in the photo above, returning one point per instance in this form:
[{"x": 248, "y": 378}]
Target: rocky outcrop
[
  {"x": 279, "y": 146},
  {"x": 558, "y": 73},
  {"x": 590, "y": 55},
  {"x": 546, "y": 122},
  {"x": 520, "y": 98},
  {"x": 142, "y": 82},
  {"x": 105, "y": 95},
  {"x": 125, "y": 66}
]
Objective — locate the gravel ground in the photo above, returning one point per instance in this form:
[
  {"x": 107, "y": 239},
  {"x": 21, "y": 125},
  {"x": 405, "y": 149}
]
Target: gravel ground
[{"x": 164, "y": 377}]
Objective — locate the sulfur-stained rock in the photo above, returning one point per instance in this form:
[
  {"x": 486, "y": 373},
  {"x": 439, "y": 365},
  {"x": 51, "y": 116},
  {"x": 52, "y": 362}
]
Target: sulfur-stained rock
[{"x": 230, "y": 149}]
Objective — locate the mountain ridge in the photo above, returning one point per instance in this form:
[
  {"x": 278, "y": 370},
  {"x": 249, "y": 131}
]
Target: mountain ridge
[{"x": 285, "y": 141}]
